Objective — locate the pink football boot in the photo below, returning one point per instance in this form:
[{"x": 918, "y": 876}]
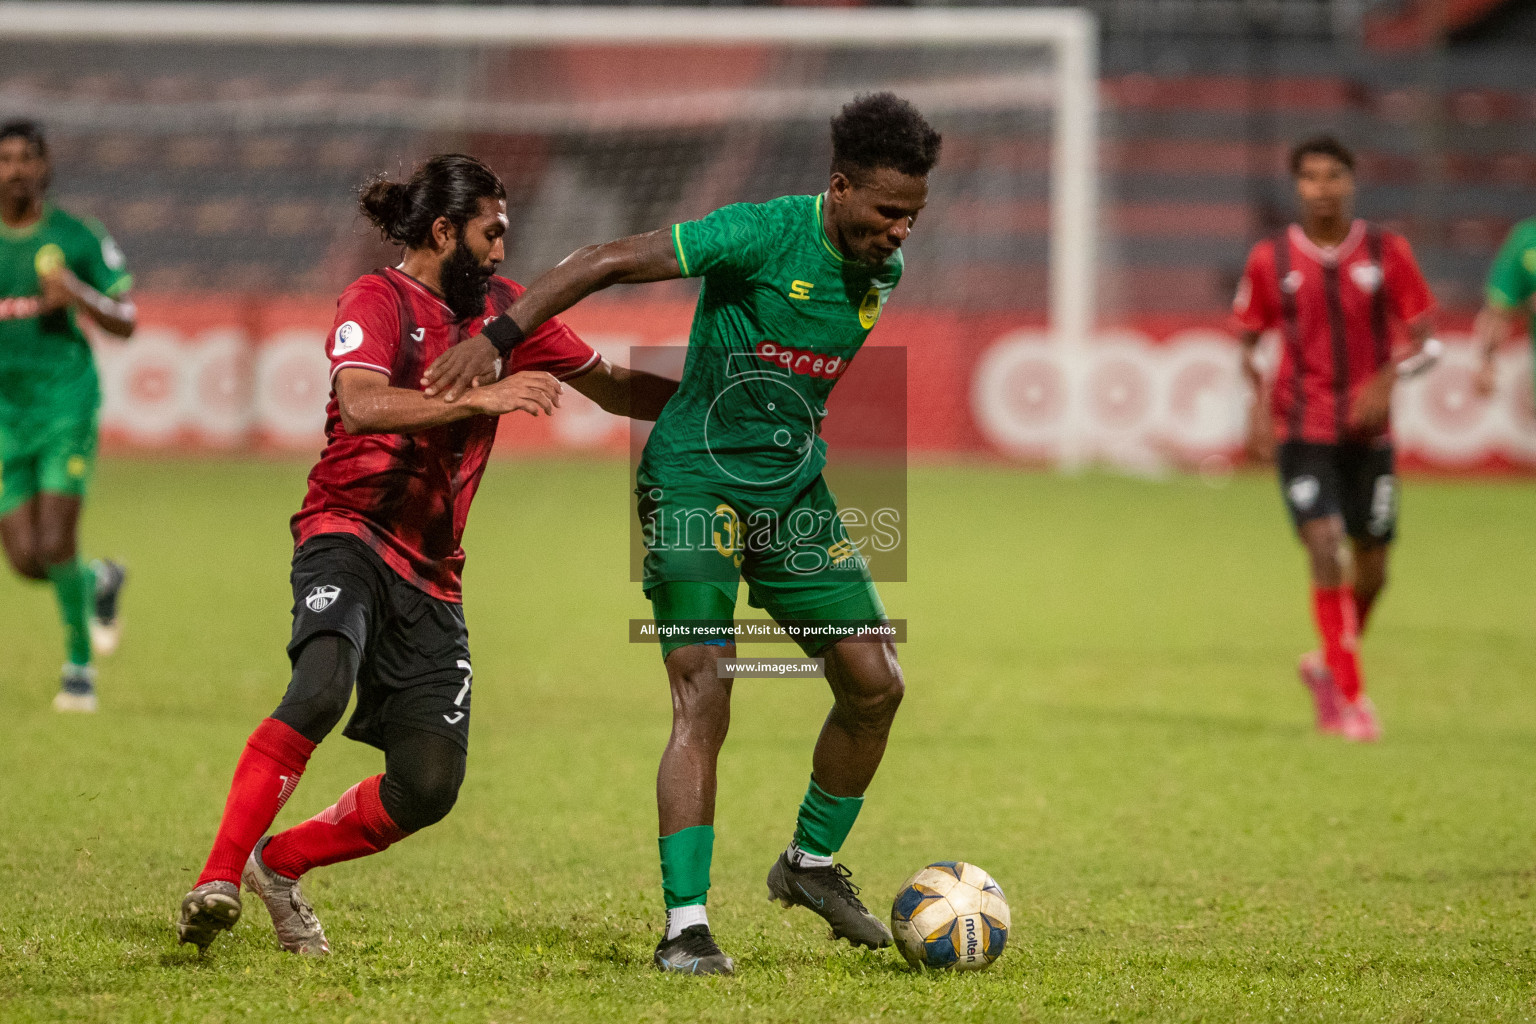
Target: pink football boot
[
  {"x": 1360, "y": 722},
  {"x": 1325, "y": 696}
]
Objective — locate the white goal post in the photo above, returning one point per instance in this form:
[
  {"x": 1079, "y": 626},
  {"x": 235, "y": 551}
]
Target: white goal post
[{"x": 1069, "y": 34}]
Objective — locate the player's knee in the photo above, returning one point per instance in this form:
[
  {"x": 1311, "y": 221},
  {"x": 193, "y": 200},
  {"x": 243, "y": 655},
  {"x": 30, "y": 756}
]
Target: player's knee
[
  {"x": 1322, "y": 546},
  {"x": 27, "y": 564},
  {"x": 873, "y": 703},
  {"x": 701, "y": 700},
  {"x": 417, "y": 799}
]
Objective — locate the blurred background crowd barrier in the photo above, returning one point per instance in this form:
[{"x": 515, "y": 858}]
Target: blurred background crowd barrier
[{"x": 226, "y": 168}]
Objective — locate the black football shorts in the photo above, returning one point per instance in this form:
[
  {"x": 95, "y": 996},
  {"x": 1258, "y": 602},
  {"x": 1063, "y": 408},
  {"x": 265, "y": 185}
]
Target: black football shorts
[
  {"x": 1356, "y": 481},
  {"x": 415, "y": 648}
]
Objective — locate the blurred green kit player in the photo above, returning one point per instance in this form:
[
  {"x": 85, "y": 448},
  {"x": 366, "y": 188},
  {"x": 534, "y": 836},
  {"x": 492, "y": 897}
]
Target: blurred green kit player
[
  {"x": 730, "y": 488},
  {"x": 1511, "y": 288},
  {"x": 53, "y": 268}
]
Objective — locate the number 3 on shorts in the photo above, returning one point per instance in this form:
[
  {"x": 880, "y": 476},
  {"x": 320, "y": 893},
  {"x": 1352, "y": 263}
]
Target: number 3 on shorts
[{"x": 458, "y": 702}]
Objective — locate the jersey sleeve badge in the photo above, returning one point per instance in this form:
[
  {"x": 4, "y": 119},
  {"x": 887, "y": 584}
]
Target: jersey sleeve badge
[{"x": 349, "y": 338}]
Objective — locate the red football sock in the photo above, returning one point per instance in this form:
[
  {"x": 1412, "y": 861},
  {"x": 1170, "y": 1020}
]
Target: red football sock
[
  {"x": 352, "y": 827},
  {"x": 1334, "y": 610},
  {"x": 268, "y": 770}
]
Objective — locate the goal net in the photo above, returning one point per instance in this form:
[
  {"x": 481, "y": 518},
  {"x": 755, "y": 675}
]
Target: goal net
[{"x": 222, "y": 145}]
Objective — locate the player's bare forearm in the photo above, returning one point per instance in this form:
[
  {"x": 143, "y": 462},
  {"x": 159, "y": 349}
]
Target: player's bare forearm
[
  {"x": 623, "y": 391},
  {"x": 1252, "y": 373},
  {"x": 1491, "y": 329},
  {"x": 637, "y": 259},
  {"x": 115, "y": 316},
  {"x": 1259, "y": 441},
  {"x": 370, "y": 405},
  {"x": 1373, "y": 403}
]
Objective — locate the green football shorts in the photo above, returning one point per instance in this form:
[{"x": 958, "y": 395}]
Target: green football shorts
[
  {"x": 795, "y": 557},
  {"x": 53, "y": 456}
]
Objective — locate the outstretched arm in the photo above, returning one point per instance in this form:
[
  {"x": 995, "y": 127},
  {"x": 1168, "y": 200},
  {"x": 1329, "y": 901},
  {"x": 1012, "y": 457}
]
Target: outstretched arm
[
  {"x": 370, "y": 405},
  {"x": 624, "y": 391},
  {"x": 62, "y": 289},
  {"x": 1373, "y": 404},
  {"x": 1492, "y": 328},
  {"x": 1259, "y": 442},
  {"x": 633, "y": 260}
]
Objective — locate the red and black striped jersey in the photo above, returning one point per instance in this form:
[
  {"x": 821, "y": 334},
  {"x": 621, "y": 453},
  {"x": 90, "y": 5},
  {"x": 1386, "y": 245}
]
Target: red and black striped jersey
[
  {"x": 407, "y": 495},
  {"x": 1342, "y": 313}
]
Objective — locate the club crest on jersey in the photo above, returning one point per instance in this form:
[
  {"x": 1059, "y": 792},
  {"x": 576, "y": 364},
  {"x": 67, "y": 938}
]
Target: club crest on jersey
[
  {"x": 869, "y": 309},
  {"x": 322, "y": 597},
  {"x": 1292, "y": 282},
  {"x": 1303, "y": 492},
  {"x": 1367, "y": 277},
  {"x": 349, "y": 338},
  {"x": 48, "y": 260}
]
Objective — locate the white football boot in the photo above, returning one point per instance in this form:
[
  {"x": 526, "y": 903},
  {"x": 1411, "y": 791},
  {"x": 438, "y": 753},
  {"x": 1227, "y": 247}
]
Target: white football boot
[{"x": 298, "y": 929}]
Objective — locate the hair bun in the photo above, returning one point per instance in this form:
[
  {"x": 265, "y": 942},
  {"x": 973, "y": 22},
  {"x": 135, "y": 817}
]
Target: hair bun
[{"x": 383, "y": 202}]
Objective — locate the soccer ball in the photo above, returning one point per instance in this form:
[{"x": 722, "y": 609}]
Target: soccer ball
[{"x": 950, "y": 914}]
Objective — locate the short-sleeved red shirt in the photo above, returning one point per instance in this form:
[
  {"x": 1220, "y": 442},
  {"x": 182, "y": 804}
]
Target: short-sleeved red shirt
[
  {"x": 1341, "y": 312},
  {"x": 407, "y": 496}
]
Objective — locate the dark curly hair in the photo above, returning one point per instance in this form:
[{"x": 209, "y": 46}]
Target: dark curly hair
[
  {"x": 29, "y": 130},
  {"x": 449, "y": 185},
  {"x": 1322, "y": 145},
  {"x": 883, "y": 130}
]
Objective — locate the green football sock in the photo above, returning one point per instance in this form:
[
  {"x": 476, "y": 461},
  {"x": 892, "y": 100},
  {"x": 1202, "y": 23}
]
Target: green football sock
[
  {"x": 74, "y": 584},
  {"x": 825, "y": 820},
  {"x": 685, "y": 857}
]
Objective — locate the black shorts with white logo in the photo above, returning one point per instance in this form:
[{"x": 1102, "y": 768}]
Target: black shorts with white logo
[
  {"x": 415, "y": 648},
  {"x": 1353, "y": 480}
]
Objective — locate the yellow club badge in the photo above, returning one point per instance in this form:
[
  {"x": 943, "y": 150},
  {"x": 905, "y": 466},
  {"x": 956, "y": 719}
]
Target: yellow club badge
[
  {"x": 49, "y": 260},
  {"x": 869, "y": 309},
  {"x": 76, "y": 467}
]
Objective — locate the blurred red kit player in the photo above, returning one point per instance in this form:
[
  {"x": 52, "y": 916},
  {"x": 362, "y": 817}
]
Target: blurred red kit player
[{"x": 1353, "y": 314}]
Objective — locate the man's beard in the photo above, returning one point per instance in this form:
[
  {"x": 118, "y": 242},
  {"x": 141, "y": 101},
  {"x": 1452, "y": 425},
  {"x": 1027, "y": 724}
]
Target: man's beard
[{"x": 465, "y": 282}]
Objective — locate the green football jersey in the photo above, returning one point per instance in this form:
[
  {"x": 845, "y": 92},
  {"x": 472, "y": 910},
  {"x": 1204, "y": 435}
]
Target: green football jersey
[
  {"x": 780, "y": 316},
  {"x": 46, "y": 367},
  {"x": 1512, "y": 278}
]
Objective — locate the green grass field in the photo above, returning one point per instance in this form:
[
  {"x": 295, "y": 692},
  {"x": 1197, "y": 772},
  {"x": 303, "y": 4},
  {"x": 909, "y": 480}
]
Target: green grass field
[{"x": 1102, "y": 711}]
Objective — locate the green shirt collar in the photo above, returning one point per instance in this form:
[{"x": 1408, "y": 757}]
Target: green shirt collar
[
  {"x": 821, "y": 235},
  {"x": 21, "y": 234}
]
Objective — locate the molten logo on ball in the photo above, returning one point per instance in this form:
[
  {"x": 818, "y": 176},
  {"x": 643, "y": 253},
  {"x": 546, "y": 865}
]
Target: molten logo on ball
[{"x": 950, "y": 915}]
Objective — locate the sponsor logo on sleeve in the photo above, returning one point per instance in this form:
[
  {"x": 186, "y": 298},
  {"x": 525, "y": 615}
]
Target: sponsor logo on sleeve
[
  {"x": 111, "y": 255},
  {"x": 349, "y": 338}
]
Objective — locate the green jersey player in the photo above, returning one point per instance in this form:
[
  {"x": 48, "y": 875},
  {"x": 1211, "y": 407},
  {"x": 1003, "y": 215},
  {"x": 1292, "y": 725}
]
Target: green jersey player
[
  {"x": 1511, "y": 293},
  {"x": 730, "y": 488},
  {"x": 54, "y": 268}
]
